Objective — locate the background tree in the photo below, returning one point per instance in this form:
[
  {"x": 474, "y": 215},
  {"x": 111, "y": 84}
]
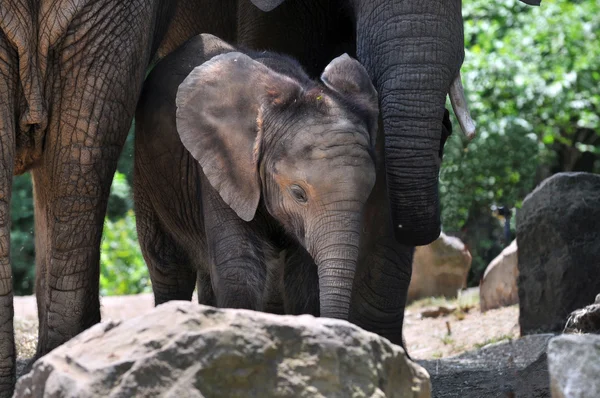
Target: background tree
[{"x": 532, "y": 76}]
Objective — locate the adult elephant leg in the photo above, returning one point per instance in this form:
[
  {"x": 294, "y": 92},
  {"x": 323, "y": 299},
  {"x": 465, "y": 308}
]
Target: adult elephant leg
[
  {"x": 381, "y": 283},
  {"x": 8, "y": 78},
  {"x": 384, "y": 268},
  {"x": 96, "y": 73}
]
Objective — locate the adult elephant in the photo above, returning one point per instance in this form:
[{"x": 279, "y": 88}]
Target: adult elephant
[{"x": 70, "y": 76}]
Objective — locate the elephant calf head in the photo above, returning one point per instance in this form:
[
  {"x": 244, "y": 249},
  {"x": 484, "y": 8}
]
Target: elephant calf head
[{"x": 261, "y": 129}]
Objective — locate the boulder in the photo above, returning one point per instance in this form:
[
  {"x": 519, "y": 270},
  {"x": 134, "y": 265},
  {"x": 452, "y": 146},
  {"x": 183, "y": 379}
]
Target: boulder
[
  {"x": 440, "y": 268},
  {"x": 182, "y": 349},
  {"x": 498, "y": 287},
  {"x": 574, "y": 365},
  {"x": 558, "y": 230},
  {"x": 585, "y": 320},
  {"x": 517, "y": 368}
]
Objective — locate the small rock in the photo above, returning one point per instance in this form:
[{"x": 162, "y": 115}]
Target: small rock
[
  {"x": 574, "y": 365},
  {"x": 559, "y": 250},
  {"x": 517, "y": 367},
  {"x": 439, "y": 269},
  {"x": 182, "y": 349},
  {"x": 498, "y": 287},
  {"x": 585, "y": 320}
]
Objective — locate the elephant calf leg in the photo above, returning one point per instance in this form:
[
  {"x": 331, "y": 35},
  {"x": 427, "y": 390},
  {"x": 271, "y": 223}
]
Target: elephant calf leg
[
  {"x": 300, "y": 284},
  {"x": 206, "y": 295},
  {"x": 172, "y": 275},
  {"x": 235, "y": 255},
  {"x": 238, "y": 276},
  {"x": 173, "y": 278}
]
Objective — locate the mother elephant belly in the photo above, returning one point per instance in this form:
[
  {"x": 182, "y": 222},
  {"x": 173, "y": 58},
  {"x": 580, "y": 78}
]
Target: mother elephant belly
[{"x": 33, "y": 28}]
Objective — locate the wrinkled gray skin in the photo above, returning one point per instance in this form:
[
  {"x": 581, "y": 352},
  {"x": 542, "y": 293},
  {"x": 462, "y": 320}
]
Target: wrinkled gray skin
[{"x": 248, "y": 188}]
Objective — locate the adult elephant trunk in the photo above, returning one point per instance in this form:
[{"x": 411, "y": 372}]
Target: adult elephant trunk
[
  {"x": 413, "y": 50},
  {"x": 335, "y": 251}
]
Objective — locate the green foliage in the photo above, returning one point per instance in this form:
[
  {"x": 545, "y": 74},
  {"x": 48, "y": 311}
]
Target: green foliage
[
  {"x": 538, "y": 64},
  {"x": 125, "y": 164},
  {"x": 532, "y": 76},
  {"x": 22, "y": 251},
  {"x": 495, "y": 168},
  {"x": 123, "y": 270}
]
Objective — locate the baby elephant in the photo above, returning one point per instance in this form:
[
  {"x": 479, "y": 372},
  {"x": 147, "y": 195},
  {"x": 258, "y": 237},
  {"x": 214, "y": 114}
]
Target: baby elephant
[{"x": 251, "y": 178}]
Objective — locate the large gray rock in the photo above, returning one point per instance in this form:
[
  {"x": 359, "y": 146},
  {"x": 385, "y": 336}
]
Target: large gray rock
[
  {"x": 440, "y": 268},
  {"x": 181, "y": 349},
  {"x": 498, "y": 287},
  {"x": 574, "y": 365},
  {"x": 558, "y": 230}
]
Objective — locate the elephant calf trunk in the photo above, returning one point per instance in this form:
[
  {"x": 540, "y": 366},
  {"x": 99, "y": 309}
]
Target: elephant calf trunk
[
  {"x": 336, "y": 260},
  {"x": 335, "y": 288}
]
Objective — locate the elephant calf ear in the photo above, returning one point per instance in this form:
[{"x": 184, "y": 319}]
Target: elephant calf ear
[
  {"x": 217, "y": 109},
  {"x": 350, "y": 79},
  {"x": 219, "y": 105}
]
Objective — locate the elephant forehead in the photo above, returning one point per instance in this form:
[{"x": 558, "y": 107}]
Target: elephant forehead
[
  {"x": 344, "y": 161},
  {"x": 317, "y": 138}
]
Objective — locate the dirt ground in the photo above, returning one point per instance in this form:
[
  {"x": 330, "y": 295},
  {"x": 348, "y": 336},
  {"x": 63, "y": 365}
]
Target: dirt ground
[
  {"x": 459, "y": 327},
  {"x": 463, "y": 329}
]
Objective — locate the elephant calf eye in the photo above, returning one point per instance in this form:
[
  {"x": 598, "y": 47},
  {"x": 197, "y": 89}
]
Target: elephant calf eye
[{"x": 298, "y": 193}]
